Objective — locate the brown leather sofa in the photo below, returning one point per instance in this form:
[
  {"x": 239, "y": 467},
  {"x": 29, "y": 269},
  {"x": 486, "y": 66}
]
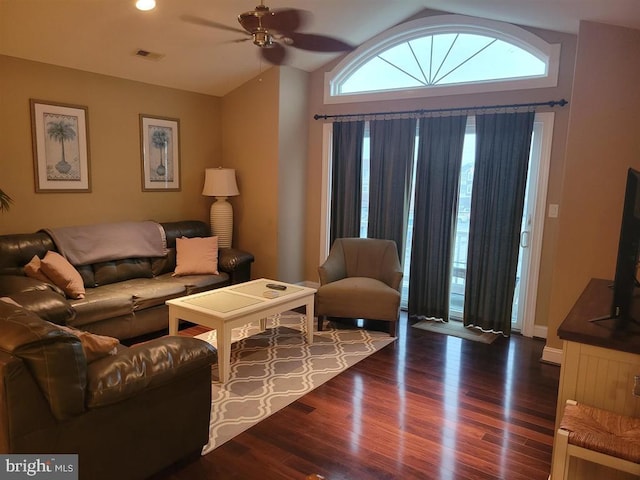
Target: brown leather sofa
[
  {"x": 125, "y": 298},
  {"x": 126, "y": 415}
]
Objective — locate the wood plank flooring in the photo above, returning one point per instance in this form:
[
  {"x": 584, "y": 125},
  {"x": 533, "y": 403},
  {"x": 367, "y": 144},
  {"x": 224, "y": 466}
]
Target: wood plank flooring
[{"x": 428, "y": 406}]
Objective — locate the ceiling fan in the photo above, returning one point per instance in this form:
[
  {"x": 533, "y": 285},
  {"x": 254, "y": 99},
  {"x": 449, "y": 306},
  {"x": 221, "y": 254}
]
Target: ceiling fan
[{"x": 272, "y": 30}]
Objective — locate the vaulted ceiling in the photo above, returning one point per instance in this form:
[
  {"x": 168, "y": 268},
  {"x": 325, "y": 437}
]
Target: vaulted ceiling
[{"x": 102, "y": 36}]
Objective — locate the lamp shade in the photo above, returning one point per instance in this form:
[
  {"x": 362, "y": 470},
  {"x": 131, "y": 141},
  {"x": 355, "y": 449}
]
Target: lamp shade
[{"x": 220, "y": 182}]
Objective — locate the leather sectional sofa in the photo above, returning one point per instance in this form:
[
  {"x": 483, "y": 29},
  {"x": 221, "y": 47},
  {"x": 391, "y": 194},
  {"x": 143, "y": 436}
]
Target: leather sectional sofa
[
  {"x": 126, "y": 415},
  {"x": 125, "y": 298},
  {"x": 134, "y": 410}
]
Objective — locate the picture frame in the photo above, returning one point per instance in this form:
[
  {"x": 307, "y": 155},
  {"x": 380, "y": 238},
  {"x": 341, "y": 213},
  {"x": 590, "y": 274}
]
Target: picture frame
[
  {"x": 160, "y": 152},
  {"x": 60, "y": 141}
]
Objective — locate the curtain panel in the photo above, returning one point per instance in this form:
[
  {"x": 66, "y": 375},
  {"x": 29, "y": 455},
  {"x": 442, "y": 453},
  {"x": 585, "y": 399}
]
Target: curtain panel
[
  {"x": 346, "y": 179},
  {"x": 392, "y": 146},
  {"x": 439, "y": 158},
  {"x": 503, "y": 143}
]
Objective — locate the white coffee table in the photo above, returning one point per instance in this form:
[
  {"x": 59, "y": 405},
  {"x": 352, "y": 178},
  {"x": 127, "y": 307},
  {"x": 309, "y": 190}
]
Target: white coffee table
[{"x": 226, "y": 308}]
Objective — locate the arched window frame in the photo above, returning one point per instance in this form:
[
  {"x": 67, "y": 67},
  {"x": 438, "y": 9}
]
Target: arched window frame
[{"x": 441, "y": 24}]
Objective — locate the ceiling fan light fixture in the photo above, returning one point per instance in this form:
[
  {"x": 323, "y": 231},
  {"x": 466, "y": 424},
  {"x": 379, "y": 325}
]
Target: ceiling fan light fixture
[
  {"x": 145, "y": 5},
  {"x": 262, "y": 38}
]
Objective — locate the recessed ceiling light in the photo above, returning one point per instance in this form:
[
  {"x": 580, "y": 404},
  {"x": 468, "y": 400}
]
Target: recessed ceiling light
[{"x": 145, "y": 5}]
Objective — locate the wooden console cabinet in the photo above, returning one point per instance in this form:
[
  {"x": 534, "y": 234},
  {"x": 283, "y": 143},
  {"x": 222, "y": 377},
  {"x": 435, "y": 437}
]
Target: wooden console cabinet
[{"x": 599, "y": 365}]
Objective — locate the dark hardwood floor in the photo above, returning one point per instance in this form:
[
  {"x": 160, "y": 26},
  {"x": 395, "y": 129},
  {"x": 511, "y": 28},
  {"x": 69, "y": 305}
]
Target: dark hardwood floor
[{"x": 428, "y": 406}]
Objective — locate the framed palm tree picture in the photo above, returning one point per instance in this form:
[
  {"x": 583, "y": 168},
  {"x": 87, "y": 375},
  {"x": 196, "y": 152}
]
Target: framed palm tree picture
[
  {"x": 160, "y": 151},
  {"x": 60, "y": 134}
]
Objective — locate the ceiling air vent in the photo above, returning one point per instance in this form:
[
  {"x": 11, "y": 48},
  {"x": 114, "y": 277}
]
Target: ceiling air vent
[{"x": 146, "y": 54}]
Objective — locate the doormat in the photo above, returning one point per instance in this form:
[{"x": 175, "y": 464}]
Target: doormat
[{"x": 456, "y": 329}]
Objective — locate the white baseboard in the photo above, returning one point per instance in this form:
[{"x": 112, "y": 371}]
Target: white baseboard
[
  {"x": 552, "y": 355},
  {"x": 540, "y": 331}
]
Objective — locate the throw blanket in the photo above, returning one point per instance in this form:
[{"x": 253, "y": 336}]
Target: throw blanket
[{"x": 103, "y": 242}]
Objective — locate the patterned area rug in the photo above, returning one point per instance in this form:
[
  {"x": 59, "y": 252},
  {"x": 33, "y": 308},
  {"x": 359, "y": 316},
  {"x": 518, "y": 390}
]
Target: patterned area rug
[
  {"x": 271, "y": 369},
  {"x": 457, "y": 329}
]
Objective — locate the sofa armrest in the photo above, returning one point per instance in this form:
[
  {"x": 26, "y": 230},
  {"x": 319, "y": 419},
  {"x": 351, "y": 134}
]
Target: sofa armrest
[
  {"x": 47, "y": 304},
  {"x": 19, "y": 283},
  {"x": 237, "y": 263},
  {"x": 55, "y": 358},
  {"x": 148, "y": 365},
  {"x": 24, "y": 409}
]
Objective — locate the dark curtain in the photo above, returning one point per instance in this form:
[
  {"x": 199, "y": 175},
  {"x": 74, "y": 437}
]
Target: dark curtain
[
  {"x": 346, "y": 180},
  {"x": 434, "y": 219},
  {"x": 391, "y": 159},
  {"x": 503, "y": 142}
]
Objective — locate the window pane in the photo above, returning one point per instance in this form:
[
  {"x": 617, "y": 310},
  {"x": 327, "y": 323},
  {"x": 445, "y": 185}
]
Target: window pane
[{"x": 443, "y": 59}]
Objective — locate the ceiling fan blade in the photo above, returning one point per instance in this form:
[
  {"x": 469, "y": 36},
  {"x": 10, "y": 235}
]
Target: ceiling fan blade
[
  {"x": 285, "y": 19},
  {"x": 275, "y": 54},
  {"x": 208, "y": 23},
  {"x": 317, "y": 43}
]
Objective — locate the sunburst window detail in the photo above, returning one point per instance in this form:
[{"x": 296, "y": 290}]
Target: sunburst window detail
[{"x": 444, "y": 55}]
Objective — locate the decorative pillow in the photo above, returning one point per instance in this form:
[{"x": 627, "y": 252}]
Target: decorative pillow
[
  {"x": 63, "y": 274},
  {"x": 196, "y": 256},
  {"x": 33, "y": 269},
  {"x": 94, "y": 346}
]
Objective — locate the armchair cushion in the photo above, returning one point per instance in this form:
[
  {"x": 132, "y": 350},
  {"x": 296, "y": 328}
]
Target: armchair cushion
[{"x": 359, "y": 297}]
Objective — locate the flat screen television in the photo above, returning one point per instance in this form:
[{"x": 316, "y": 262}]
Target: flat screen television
[{"x": 625, "y": 307}]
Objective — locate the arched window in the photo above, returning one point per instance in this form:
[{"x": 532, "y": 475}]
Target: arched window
[{"x": 443, "y": 55}]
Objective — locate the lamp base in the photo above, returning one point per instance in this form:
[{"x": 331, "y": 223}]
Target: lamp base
[{"x": 222, "y": 221}]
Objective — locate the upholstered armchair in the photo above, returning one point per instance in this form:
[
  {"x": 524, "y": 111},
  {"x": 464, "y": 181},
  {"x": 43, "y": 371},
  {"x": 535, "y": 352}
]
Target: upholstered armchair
[{"x": 360, "y": 279}]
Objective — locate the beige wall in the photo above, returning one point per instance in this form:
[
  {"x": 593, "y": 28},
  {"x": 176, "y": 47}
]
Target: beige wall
[
  {"x": 603, "y": 142},
  {"x": 250, "y": 145},
  {"x": 265, "y": 140},
  {"x": 293, "y": 132},
  {"x": 113, "y": 109},
  {"x": 563, "y": 90}
]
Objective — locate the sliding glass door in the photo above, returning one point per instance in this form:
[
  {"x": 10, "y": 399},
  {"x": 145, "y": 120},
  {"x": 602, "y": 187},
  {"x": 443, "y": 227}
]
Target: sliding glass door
[{"x": 530, "y": 222}]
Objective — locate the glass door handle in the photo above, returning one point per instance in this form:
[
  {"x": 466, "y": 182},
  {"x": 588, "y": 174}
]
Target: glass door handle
[{"x": 524, "y": 239}]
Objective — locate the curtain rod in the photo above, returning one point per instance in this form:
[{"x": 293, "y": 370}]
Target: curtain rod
[{"x": 551, "y": 103}]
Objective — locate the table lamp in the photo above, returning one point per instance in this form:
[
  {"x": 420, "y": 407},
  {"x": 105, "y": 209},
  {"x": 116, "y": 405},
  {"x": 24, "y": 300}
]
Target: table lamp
[{"x": 221, "y": 183}]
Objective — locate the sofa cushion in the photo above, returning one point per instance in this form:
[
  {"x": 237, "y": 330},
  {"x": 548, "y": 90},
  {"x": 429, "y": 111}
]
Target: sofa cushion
[
  {"x": 17, "y": 249},
  {"x": 196, "y": 256},
  {"x": 197, "y": 283},
  {"x": 121, "y": 270},
  {"x": 99, "y": 304},
  {"x": 63, "y": 274},
  {"x": 150, "y": 293}
]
